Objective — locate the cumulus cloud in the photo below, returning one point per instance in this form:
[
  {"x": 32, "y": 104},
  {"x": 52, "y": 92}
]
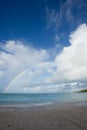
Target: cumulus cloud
[
  {"x": 72, "y": 62},
  {"x": 68, "y": 71},
  {"x": 33, "y": 80},
  {"x": 15, "y": 57}
]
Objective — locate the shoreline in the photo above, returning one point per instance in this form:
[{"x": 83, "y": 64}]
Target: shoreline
[{"x": 41, "y": 106}]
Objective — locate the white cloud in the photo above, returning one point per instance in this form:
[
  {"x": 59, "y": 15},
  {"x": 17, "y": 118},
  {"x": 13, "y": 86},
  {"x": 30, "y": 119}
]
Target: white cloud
[
  {"x": 68, "y": 71},
  {"x": 63, "y": 13},
  {"x": 33, "y": 78},
  {"x": 16, "y": 57},
  {"x": 56, "y": 17},
  {"x": 52, "y": 17},
  {"x": 72, "y": 62}
]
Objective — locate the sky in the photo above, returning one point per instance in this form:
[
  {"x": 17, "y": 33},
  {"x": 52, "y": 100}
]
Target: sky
[{"x": 43, "y": 46}]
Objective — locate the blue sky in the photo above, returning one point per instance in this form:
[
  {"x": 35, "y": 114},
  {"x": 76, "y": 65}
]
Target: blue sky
[
  {"x": 43, "y": 31},
  {"x": 38, "y": 21}
]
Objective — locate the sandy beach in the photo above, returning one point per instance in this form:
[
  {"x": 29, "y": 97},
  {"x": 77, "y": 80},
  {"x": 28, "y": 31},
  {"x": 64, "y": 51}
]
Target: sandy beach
[{"x": 61, "y": 117}]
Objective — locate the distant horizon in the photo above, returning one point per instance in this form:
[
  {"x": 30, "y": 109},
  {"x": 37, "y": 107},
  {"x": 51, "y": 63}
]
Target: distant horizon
[{"x": 45, "y": 92}]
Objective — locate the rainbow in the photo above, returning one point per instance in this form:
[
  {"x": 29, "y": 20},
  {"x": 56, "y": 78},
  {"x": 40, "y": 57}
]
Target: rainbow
[{"x": 12, "y": 82}]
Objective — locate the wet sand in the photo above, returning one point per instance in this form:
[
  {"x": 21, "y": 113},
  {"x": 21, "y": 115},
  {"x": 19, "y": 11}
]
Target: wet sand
[{"x": 66, "y": 116}]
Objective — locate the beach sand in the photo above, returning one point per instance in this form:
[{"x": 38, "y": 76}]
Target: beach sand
[{"x": 58, "y": 117}]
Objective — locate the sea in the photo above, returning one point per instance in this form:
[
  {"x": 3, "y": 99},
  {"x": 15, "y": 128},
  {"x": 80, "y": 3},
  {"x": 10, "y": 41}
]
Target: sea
[{"x": 39, "y": 99}]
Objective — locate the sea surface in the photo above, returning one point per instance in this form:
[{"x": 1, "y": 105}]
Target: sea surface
[{"x": 30, "y": 100}]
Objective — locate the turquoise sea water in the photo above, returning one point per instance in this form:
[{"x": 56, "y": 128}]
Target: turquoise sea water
[{"x": 40, "y": 99}]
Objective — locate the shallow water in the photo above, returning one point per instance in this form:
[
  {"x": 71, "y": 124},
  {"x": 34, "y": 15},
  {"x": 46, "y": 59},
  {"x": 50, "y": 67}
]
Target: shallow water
[{"x": 40, "y": 99}]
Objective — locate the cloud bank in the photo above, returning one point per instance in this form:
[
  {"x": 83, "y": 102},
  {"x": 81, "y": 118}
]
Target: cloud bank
[{"x": 26, "y": 69}]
